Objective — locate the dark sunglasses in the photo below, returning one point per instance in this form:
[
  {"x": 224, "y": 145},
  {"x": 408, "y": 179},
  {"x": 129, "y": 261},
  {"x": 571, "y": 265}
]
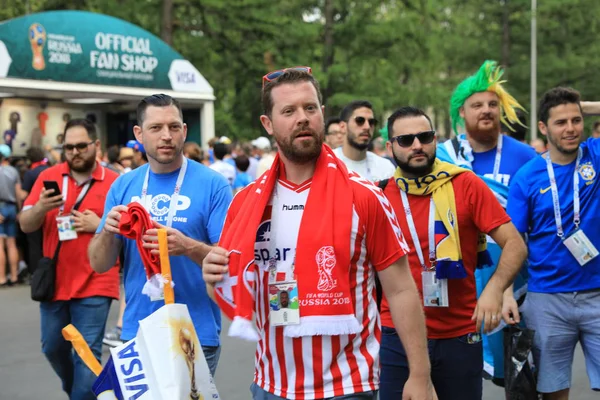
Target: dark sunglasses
[
  {"x": 407, "y": 140},
  {"x": 360, "y": 121},
  {"x": 276, "y": 74},
  {"x": 79, "y": 146}
]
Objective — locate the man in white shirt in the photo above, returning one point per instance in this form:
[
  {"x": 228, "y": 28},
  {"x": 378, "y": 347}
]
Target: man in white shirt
[
  {"x": 225, "y": 169},
  {"x": 358, "y": 124}
]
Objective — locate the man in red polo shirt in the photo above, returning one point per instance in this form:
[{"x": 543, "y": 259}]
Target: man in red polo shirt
[
  {"x": 444, "y": 211},
  {"x": 82, "y": 297}
]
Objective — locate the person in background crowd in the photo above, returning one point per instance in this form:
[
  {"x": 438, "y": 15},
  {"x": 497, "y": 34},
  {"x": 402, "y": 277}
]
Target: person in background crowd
[
  {"x": 225, "y": 169},
  {"x": 242, "y": 178},
  {"x": 139, "y": 153},
  {"x": 596, "y": 130},
  {"x": 539, "y": 145},
  {"x": 197, "y": 198},
  {"x": 194, "y": 152},
  {"x": 326, "y": 351},
  {"x": 423, "y": 189},
  {"x": 246, "y": 149},
  {"x": 334, "y": 135},
  {"x": 554, "y": 199},
  {"x": 358, "y": 124},
  {"x": 480, "y": 104},
  {"x": 11, "y": 195},
  {"x": 81, "y": 297},
  {"x": 112, "y": 158},
  {"x": 211, "y": 145},
  {"x": 56, "y": 152},
  {"x": 126, "y": 159},
  {"x": 265, "y": 154},
  {"x": 39, "y": 163}
]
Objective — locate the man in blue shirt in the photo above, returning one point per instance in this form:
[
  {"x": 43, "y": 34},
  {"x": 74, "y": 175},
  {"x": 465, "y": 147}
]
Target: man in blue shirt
[
  {"x": 555, "y": 200},
  {"x": 194, "y": 221},
  {"x": 478, "y": 107}
]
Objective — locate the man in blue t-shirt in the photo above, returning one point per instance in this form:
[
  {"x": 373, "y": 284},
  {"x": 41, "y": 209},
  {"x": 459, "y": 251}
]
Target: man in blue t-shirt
[
  {"x": 478, "y": 107},
  {"x": 563, "y": 303},
  {"x": 194, "y": 222}
]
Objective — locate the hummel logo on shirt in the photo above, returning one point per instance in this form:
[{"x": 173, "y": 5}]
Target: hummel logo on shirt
[{"x": 292, "y": 207}]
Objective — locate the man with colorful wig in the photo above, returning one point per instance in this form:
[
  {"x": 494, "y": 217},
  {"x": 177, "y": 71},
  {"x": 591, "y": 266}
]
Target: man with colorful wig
[{"x": 478, "y": 107}]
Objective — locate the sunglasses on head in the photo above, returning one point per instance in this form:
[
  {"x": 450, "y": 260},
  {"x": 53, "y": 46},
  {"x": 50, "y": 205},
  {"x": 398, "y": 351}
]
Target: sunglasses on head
[
  {"x": 360, "y": 121},
  {"x": 79, "y": 146},
  {"x": 271, "y": 76},
  {"x": 407, "y": 140}
]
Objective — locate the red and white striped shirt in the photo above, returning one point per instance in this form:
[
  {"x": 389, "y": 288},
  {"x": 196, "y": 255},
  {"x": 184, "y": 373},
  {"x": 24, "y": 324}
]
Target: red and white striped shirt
[{"x": 323, "y": 366}]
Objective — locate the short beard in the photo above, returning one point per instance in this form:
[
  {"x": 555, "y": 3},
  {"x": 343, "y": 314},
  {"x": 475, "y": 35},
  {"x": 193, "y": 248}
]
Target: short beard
[
  {"x": 357, "y": 146},
  {"x": 560, "y": 148},
  {"x": 88, "y": 165},
  {"x": 301, "y": 154},
  {"x": 483, "y": 136},
  {"x": 416, "y": 171}
]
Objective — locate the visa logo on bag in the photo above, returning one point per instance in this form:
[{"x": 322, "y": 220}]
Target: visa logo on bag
[{"x": 129, "y": 368}]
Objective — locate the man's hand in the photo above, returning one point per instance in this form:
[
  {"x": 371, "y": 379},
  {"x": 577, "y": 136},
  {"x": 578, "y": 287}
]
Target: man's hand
[
  {"x": 418, "y": 388},
  {"x": 48, "y": 201},
  {"x": 489, "y": 308},
  {"x": 86, "y": 221},
  {"x": 177, "y": 241},
  {"x": 111, "y": 225},
  {"x": 215, "y": 265},
  {"x": 2, "y": 219},
  {"x": 510, "y": 309}
]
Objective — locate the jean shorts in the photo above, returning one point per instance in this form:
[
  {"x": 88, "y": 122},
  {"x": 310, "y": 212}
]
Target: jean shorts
[
  {"x": 8, "y": 228},
  {"x": 560, "y": 320}
]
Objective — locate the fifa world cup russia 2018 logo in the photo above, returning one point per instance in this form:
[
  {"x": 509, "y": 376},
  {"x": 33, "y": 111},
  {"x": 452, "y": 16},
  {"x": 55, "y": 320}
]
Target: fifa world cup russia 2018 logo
[
  {"x": 325, "y": 263},
  {"x": 37, "y": 38}
]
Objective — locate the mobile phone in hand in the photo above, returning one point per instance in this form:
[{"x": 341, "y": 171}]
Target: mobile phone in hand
[{"x": 52, "y": 185}]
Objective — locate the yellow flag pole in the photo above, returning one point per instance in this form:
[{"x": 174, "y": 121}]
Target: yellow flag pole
[
  {"x": 71, "y": 334},
  {"x": 165, "y": 266}
]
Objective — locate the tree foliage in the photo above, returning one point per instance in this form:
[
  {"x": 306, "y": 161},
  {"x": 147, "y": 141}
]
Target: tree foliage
[{"x": 391, "y": 52}]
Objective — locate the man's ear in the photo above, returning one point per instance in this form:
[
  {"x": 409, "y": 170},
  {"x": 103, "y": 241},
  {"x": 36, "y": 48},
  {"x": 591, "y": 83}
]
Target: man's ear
[
  {"x": 267, "y": 123},
  {"x": 543, "y": 128},
  {"x": 461, "y": 112},
  {"x": 137, "y": 132}
]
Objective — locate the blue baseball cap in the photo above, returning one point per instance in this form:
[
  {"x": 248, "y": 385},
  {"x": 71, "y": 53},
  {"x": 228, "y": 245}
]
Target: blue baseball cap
[
  {"x": 135, "y": 145},
  {"x": 5, "y": 150}
]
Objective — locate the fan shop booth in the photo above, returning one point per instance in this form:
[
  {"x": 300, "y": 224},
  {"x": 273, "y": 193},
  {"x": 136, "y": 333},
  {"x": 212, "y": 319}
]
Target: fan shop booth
[{"x": 59, "y": 65}]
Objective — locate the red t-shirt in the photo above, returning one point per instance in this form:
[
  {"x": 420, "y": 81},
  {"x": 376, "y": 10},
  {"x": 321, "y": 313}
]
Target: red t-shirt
[
  {"x": 478, "y": 211},
  {"x": 75, "y": 278}
]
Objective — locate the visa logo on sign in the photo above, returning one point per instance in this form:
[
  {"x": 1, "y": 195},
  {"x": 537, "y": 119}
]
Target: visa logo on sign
[
  {"x": 186, "y": 77},
  {"x": 133, "y": 380}
]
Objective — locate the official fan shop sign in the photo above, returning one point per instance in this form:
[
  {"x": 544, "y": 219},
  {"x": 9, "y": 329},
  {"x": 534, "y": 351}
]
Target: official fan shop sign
[{"x": 84, "y": 47}]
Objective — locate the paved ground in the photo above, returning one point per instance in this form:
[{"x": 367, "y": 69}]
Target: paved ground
[{"x": 25, "y": 374}]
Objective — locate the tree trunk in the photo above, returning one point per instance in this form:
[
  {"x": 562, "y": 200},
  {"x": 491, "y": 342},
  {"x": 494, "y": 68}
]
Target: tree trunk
[
  {"x": 505, "y": 34},
  {"x": 328, "y": 49},
  {"x": 166, "y": 24}
]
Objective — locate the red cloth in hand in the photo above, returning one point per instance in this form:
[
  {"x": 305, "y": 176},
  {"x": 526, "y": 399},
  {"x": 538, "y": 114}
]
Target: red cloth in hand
[{"x": 133, "y": 225}]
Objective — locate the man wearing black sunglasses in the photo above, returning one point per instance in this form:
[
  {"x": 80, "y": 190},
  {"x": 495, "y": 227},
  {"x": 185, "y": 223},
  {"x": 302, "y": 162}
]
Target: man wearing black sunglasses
[
  {"x": 445, "y": 209},
  {"x": 358, "y": 124},
  {"x": 70, "y": 217}
]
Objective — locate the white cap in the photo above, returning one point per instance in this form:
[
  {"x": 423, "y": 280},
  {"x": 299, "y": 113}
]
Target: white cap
[
  {"x": 225, "y": 139},
  {"x": 262, "y": 143}
]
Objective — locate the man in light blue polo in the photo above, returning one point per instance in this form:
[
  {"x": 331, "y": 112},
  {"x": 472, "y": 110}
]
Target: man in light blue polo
[
  {"x": 555, "y": 200},
  {"x": 184, "y": 196}
]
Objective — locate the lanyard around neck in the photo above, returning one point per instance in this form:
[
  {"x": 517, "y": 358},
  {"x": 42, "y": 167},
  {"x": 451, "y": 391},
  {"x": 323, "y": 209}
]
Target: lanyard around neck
[
  {"x": 65, "y": 192},
  {"x": 174, "y": 197},
  {"x": 498, "y": 157},
  {"x": 556, "y": 201},
  {"x": 413, "y": 231}
]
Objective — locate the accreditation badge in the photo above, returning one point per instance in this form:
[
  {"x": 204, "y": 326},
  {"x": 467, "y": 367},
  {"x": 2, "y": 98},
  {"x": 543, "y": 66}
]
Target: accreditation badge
[
  {"x": 435, "y": 291},
  {"x": 284, "y": 307},
  {"x": 580, "y": 247},
  {"x": 66, "y": 230}
]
